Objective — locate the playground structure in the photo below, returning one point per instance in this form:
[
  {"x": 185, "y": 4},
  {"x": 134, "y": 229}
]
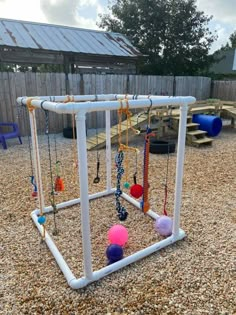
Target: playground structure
[
  {"x": 166, "y": 117},
  {"x": 80, "y": 105}
]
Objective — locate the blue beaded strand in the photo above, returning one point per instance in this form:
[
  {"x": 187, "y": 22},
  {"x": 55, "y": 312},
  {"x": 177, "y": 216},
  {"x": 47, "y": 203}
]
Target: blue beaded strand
[{"x": 122, "y": 213}]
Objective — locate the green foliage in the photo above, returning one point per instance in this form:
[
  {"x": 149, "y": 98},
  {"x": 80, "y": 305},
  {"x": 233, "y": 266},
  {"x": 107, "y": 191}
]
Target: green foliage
[
  {"x": 31, "y": 68},
  {"x": 222, "y": 76},
  {"x": 232, "y": 39},
  {"x": 6, "y": 68},
  {"x": 173, "y": 33}
]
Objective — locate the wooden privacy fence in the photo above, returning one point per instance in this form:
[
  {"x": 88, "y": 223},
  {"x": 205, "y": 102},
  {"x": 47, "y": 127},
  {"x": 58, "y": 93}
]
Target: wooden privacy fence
[
  {"x": 17, "y": 84},
  {"x": 224, "y": 90}
]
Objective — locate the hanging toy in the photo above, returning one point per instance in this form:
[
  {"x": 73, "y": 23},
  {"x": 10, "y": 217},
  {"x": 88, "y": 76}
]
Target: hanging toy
[
  {"x": 114, "y": 253},
  {"x": 32, "y": 179},
  {"x": 35, "y": 190},
  {"x": 122, "y": 213},
  {"x": 126, "y": 146},
  {"x": 59, "y": 183},
  {"x": 97, "y": 178},
  {"x": 163, "y": 225},
  {"x": 136, "y": 190},
  {"x": 145, "y": 205},
  {"x": 118, "y": 234},
  {"x": 42, "y": 220}
]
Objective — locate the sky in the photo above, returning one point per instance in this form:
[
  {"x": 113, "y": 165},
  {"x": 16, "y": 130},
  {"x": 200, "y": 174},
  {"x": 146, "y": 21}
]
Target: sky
[{"x": 84, "y": 13}]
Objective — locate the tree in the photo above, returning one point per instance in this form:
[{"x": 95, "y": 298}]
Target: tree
[
  {"x": 173, "y": 33},
  {"x": 232, "y": 39}
]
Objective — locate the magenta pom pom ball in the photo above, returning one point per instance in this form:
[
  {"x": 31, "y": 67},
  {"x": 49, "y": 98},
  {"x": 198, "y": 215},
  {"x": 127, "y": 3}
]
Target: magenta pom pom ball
[
  {"x": 118, "y": 234},
  {"x": 163, "y": 225}
]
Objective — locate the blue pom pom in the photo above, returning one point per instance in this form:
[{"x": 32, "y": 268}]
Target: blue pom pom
[
  {"x": 114, "y": 253},
  {"x": 41, "y": 219}
]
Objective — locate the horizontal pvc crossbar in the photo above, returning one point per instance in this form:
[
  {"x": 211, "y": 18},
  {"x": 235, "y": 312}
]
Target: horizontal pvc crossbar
[
  {"x": 76, "y": 201},
  {"x": 90, "y": 106}
]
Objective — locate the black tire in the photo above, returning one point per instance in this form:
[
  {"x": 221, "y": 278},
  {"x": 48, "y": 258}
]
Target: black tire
[
  {"x": 68, "y": 133},
  {"x": 161, "y": 147}
]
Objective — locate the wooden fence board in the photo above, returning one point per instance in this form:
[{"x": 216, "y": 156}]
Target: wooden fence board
[{"x": 224, "y": 90}]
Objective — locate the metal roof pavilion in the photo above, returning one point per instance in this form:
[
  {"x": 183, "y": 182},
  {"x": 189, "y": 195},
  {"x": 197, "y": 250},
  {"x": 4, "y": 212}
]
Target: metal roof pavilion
[
  {"x": 75, "y": 48},
  {"x": 63, "y": 38},
  {"x": 38, "y": 43}
]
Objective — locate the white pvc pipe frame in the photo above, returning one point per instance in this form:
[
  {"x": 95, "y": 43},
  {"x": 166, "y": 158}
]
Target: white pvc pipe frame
[{"x": 80, "y": 105}]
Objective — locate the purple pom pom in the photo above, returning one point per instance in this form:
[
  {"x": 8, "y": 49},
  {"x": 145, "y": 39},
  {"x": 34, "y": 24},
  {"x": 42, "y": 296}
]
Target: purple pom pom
[
  {"x": 163, "y": 225},
  {"x": 114, "y": 253}
]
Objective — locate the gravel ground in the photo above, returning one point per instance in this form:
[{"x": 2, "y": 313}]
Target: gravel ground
[{"x": 194, "y": 276}]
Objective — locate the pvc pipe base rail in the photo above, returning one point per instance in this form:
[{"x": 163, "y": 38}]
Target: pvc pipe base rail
[{"x": 79, "y": 283}]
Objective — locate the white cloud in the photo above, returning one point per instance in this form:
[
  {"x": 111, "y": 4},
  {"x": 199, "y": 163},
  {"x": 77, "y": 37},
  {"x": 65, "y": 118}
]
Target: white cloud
[
  {"x": 21, "y": 10},
  {"x": 88, "y": 3},
  {"x": 223, "y": 37},
  {"x": 223, "y": 11},
  {"x": 68, "y": 12},
  {"x": 101, "y": 9},
  {"x": 87, "y": 23},
  {"x": 60, "y": 11},
  {"x": 224, "y": 19}
]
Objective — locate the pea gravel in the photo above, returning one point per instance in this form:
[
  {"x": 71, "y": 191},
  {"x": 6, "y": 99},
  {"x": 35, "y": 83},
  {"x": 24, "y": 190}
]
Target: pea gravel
[{"x": 194, "y": 276}]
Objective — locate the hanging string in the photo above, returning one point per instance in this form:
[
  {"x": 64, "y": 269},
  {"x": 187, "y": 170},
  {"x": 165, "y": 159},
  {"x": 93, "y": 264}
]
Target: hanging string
[
  {"x": 136, "y": 167},
  {"x": 32, "y": 178},
  {"x": 97, "y": 178},
  {"x": 42, "y": 218},
  {"x": 126, "y": 184},
  {"x": 166, "y": 182},
  {"x": 52, "y": 193},
  {"x": 75, "y": 163},
  {"x": 55, "y": 144},
  {"x": 27, "y": 123},
  {"x": 145, "y": 202}
]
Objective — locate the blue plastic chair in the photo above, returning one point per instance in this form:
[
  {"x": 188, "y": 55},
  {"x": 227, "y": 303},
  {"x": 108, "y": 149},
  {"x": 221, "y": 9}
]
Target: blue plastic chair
[{"x": 15, "y": 133}]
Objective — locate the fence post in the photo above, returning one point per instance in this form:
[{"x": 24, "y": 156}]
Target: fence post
[
  {"x": 81, "y": 84},
  {"x": 127, "y": 84},
  {"x": 211, "y": 88},
  {"x": 174, "y": 86}
]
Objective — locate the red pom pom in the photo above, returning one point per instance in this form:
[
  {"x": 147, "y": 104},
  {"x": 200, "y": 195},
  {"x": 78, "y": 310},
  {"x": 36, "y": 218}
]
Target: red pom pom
[
  {"x": 136, "y": 190},
  {"x": 34, "y": 194}
]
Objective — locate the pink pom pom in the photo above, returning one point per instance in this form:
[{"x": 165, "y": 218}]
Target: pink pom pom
[
  {"x": 118, "y": 235},
  {"x": 163, "y": 225}
]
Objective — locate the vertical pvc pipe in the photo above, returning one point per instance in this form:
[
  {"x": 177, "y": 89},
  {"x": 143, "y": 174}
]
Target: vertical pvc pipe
[
  {"x": 84, "y": 196},
  {"x": 179, "y": 168},
  {"x": 36, "y": 160},
  {"x": 108, "y": 149}
]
